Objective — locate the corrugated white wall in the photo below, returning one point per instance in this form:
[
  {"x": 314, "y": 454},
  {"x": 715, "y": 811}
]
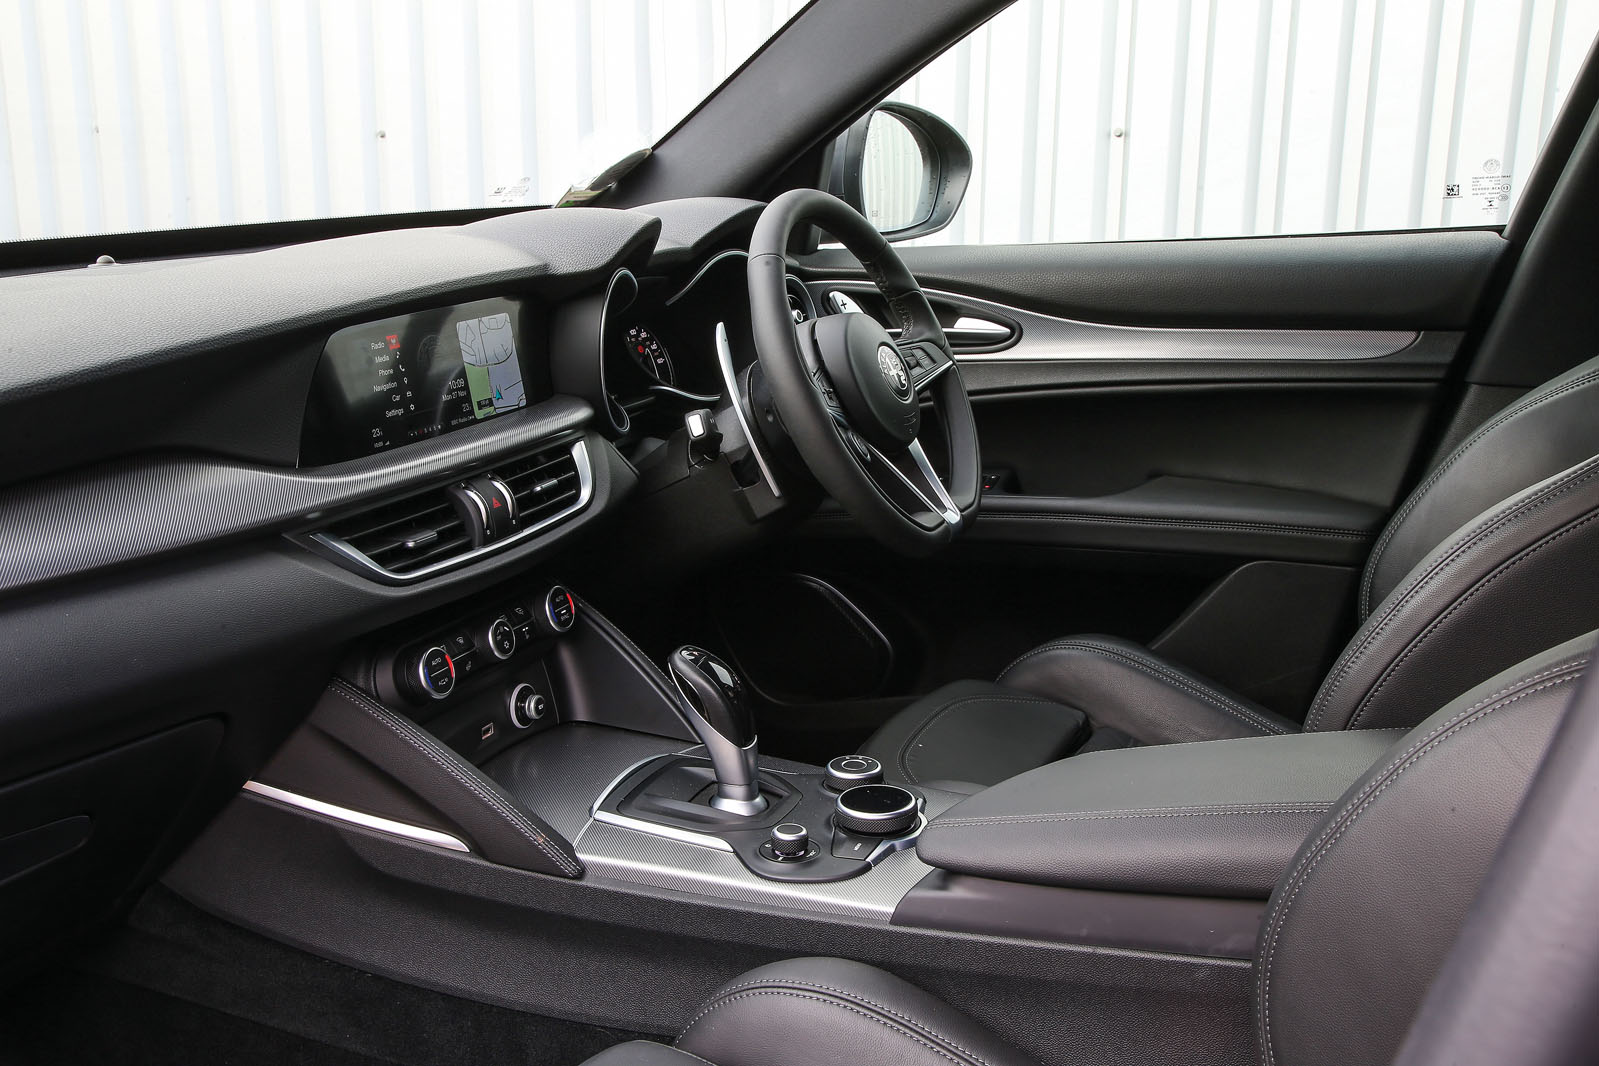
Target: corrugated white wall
[
  {"x": 1235, "y": 116},
  {"x": 137, "y": 114},
  {"x": 1126, "y": 119}
]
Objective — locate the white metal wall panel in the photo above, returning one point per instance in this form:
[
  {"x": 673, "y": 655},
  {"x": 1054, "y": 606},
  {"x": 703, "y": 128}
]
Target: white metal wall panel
[
  {"x": 138, "y": 114},
  {"x": 1129, "y": 119},
  {"x": 1089, "y": 120}
]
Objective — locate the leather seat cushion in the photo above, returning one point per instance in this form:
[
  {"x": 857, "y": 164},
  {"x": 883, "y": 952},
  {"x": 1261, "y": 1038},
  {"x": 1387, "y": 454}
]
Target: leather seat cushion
[
  {"x": 975, "y": 731},
  {"x": 1082, "y": 693},
  {"x": 829, "y": 1012},
  {"x": 1129, "y": 688}
]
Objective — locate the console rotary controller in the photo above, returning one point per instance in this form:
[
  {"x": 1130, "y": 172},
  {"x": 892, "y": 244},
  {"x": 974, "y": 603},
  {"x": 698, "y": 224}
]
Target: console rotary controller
[
  {"x": 847, "y": 771},
  {"x": 790, "y": 842},
  {"x": 876, "y": 810}
]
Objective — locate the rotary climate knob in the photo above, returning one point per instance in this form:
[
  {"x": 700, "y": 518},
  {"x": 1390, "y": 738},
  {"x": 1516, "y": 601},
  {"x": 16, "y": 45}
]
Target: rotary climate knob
[{"x": 876, "y": 810}]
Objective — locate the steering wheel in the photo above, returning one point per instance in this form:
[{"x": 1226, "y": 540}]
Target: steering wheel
[{"x": 849, "y": 395}]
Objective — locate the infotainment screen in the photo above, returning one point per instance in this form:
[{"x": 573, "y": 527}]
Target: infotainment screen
[{"x": 405, "y": 379}]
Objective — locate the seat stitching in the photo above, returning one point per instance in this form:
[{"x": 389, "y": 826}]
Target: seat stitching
[
  {"x": 408, "y": 733},
  {"x": 690, "y": 1054},
  {"x": 1402, "y": 596},
  {"x": 1205, "y": 694},
  {"x": 847, "y": 994},
  {"x": 1189, "y": 523},
  {"x": 1278, "y": 916},
  {"x": 966, "y": 1059},
  {"x": 1526, "y": 404},
  {"x": 903, "y": 758},
  {"x": 1461, "y": 601},
  {"x": 1148, "y": 666},
  {"x": 1173, "y": 812}
]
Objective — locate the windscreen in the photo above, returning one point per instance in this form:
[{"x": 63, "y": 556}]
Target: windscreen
[{"x": 128, "y": 115}]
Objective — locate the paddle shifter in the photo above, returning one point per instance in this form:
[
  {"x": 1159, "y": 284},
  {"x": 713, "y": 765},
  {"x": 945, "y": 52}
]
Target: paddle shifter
[{"x": 719, "y": 716}]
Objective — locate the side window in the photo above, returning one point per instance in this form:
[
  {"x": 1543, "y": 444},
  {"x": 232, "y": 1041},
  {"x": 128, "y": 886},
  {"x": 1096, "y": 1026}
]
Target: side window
[{"x": 1151, "y": 119}]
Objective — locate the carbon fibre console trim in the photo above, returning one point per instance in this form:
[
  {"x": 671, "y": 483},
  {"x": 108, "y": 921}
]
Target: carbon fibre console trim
[{"x": 138, "y": 508}]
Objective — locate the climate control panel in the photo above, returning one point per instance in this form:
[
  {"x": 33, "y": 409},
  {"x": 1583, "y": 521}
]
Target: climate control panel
[{"x": 479, "y": 680}]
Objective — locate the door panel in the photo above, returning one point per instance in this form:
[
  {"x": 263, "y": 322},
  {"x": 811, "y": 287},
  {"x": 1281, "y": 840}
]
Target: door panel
[
  {"x": 1265, "y": 407},
  {"x": 1412, "y": 280}
]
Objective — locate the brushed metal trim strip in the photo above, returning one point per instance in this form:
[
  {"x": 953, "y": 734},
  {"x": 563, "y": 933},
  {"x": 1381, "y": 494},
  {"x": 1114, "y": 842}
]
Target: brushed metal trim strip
[
  {"x": 669, "y": 832},
  {"x": 417, "y": 833},
  {"x": 1052, "y": 339}
]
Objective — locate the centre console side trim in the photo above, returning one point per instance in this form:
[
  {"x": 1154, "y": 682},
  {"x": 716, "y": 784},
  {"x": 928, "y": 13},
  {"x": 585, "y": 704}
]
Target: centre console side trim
[{"x": 366, "y": 821}]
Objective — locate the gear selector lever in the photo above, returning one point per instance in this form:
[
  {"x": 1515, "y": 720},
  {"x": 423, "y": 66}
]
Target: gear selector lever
[{"x": 722, "y": 721}]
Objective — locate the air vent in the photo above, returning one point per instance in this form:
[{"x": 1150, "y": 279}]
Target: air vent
[
  {"x": 431, "y": 531},
  {"x": 799, "y": 300},
  {"x": 543, "y": 484},
  {"x": 407, "y": 535}
]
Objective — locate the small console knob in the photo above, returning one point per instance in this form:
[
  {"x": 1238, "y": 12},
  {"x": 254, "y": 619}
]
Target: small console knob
[
  {"x": 527, "y": 706},
  {"x": 876, "y": 810},
  {"x": 433, "y": 673},
  {"x": 847, "y": 771},
  {"x": 790, "y": 841},
  {"x": 559, "y": 613},
  {"x": 501, "y": 638}
]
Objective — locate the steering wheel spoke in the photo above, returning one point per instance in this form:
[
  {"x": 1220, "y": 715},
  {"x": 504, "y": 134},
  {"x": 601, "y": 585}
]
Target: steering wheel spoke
[
  {"x": 911, "y": 483},
  {"x": 926, "y": 361}
]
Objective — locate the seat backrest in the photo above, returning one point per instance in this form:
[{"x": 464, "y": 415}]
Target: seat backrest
[
  {"x": 1358, "y": 928},
  {"x": 1493, "y": 557}
]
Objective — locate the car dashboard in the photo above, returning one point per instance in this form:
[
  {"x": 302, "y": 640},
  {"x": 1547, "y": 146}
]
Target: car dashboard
[{"x": 222, "y": 473}]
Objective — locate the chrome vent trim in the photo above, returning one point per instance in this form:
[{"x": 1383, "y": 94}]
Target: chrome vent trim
[
  {"x": 407, "y": 535},
  {"x": 581, "y": 468},
  {"x": 800, "y": 304}
]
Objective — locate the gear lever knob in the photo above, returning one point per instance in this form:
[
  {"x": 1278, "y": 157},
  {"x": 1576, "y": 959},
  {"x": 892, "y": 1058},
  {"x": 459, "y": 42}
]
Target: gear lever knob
[{"x": 722, "y": 720}]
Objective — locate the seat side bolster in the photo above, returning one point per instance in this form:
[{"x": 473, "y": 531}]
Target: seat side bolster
[
  {"x": 1516, "y": 579},
  {"x": 1127, "y": 687},
  {"x": 807, "y": 1011},
  {"x": 1547, "y": 431}
]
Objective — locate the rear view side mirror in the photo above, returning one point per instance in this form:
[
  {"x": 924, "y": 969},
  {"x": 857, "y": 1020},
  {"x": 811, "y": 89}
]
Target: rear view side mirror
[{"x": 902, "y": 167}]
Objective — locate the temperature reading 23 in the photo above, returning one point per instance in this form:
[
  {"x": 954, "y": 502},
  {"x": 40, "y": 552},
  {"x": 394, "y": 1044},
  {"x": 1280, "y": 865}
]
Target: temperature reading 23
[{"x": 650, "y": 355}]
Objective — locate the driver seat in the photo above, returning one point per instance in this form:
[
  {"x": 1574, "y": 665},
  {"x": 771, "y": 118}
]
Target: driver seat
[{"x": 1494, "y": 556}]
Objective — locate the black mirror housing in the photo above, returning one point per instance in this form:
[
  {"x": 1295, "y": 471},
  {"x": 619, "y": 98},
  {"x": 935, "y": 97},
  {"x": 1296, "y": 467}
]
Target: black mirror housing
[{"x": 948, "y": 159}]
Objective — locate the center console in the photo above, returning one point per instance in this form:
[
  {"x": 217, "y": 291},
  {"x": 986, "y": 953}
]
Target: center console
[
  {"x": 527, "y": 729},
  {"x": 510, "y": 801}
]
